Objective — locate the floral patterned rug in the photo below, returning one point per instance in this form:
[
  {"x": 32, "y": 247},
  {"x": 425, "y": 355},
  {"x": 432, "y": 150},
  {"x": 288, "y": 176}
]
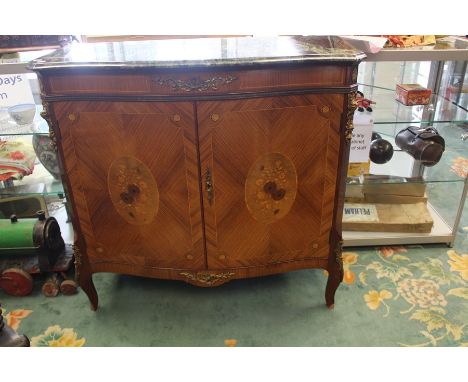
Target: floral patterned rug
[
  {"x": 54, "y": 336},
  {"x": 419, "y": 293},
  {"x": 430, "y": 291}
]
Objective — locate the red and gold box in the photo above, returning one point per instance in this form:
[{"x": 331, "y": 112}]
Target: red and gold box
[{"x": 413, "y": 94}]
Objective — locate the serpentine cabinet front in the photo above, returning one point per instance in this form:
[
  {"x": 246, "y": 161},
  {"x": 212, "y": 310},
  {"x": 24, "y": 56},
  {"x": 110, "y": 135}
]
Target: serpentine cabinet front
[{"x": 203, "y": 176}]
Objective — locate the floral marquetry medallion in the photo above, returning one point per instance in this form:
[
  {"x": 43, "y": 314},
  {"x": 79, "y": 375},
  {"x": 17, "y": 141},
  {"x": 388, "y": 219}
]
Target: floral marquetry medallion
[
  {"x": 133, "y": 190},
  {"x": 271, "y": 187}
]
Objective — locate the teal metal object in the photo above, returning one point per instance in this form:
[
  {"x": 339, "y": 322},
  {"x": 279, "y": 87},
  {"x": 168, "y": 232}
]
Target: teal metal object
[
  {"x": 17, "y": 234},
  {"x": 28, "y": 236}
]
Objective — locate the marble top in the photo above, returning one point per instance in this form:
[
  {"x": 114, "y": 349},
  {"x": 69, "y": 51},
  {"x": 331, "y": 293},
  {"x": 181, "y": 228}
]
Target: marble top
[{"x": 200, "y": 52}]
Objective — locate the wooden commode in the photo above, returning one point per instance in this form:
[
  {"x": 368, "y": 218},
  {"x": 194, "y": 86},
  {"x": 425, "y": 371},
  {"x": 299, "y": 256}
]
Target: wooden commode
[{"x": 203, "y": 160}]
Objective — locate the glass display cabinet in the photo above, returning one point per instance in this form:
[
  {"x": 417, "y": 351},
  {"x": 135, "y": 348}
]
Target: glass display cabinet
[
  {"x": 29, "y": 174},
  {"x": 417, "y": 204}
]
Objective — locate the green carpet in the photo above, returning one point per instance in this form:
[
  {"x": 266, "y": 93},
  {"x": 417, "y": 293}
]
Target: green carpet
[
  {"x": 412, "y": 296},
  {"x": 394, "y": 296}
]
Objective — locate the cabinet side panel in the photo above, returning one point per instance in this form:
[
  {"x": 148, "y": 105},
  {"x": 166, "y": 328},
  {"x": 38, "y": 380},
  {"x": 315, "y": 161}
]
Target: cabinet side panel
[
  {"x": 135, "y": 168},
  {"x": 81, "y": 223}
]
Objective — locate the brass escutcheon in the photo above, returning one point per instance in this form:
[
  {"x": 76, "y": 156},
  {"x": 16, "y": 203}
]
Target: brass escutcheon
[
  {"x": 214, "y": 117},
  {"x": 176, "y": 117},
  {"x": 209, "y": 186},
  {"x": 325, "y": 109},
  {"x": 71, "y": 117}
]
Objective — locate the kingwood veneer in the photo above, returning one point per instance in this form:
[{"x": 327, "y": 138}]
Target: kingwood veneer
[{"x": 203, "y": 160}]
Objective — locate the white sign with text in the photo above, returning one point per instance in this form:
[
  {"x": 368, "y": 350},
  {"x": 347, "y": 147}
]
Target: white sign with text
[
  {"x": 362, "y": 135},
  {"x": 15, "y": 90},
  {"x": 355, "y": 212}
]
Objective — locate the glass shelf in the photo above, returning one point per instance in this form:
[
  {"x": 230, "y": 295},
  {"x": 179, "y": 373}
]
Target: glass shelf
[
  {"x": 387, "y": 110},
  {"x": 9, "y": 128},
  {"x": 36, "y": 160},
  {"x": 452, "y": 133},
  {"x": 40, "y": 182},
  {"x": 447, "y": 48},
  {"x": 401, "y": 166},
  {"x": 16, "y": 62}
]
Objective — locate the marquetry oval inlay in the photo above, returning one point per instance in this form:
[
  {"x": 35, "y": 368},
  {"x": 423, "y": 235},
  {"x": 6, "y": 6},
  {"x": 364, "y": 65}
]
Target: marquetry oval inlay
[
  {"x": 271, "y": 187},
  {"x": 133, "y": 190}
]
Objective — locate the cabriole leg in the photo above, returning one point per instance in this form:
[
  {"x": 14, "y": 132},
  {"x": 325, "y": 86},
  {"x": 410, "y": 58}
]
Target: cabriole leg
[
  {"x": 84, "y": 278},
  {"x": 335, "y": 274}
]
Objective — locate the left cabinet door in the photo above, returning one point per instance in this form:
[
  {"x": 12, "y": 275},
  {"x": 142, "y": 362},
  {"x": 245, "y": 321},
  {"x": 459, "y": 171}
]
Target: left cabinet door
[{"x": 133, "y": 173}]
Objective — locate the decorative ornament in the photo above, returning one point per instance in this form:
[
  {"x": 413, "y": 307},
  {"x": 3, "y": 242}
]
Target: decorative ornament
[{"x": 381, "y": 151}]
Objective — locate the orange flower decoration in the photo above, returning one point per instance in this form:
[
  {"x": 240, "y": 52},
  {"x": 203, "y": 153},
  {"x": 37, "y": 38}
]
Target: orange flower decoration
[
  {"x": 390, "y": 251},
  {"x": 460, "y": 166},
  {"x": 16, "y": 155},
  {"x": 458, "y": 263},
  {"x": 374, "y": 298},
  {"x": 230, "y": 342},
  {"x": 14, "y": 317},
  {"x": 349, "y": 258},
  {"x": 55, "y": 336}
]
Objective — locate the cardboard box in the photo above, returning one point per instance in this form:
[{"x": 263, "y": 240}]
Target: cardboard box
[
  {"x": 378, "y": 217},
  {"x": 357, "y": 169},
  {"x": 385, "y": 189},
  {"x": 393, "y": 185},
  {"x": 385, "y": 198},
  {"x": 413, "y": 94}
]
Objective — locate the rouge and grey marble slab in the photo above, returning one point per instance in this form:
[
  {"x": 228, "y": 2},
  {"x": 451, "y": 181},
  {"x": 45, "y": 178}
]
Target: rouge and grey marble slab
[{"x": 201, "y": 52}]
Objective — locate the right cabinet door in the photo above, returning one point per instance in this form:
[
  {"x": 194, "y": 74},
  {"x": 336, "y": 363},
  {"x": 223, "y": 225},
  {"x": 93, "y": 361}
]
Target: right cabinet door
[{"x": 269, "y": 168}]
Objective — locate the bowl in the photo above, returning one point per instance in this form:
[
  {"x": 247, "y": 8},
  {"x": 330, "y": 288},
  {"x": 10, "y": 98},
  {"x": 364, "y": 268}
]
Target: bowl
[{"x": 23, "y": 114}]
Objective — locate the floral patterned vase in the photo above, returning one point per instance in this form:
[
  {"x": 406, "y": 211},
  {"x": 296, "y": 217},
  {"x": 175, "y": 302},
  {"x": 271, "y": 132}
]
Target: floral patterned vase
[{"x": 46, "y": 154}]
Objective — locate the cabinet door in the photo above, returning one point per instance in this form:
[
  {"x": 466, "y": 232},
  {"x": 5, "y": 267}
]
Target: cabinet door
[
  {"x": 133, "y": 172},
  {"x": 269, "y": 168}
]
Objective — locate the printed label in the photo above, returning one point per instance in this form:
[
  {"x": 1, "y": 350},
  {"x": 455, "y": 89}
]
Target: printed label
[
  {"x": 357, "y": 212},
  {"x": 14, "y": 90},
  {"x": 362, "y": 133}
]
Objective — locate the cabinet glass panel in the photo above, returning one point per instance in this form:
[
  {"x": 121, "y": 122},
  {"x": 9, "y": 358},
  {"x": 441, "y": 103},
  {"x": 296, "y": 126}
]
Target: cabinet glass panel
[
  {"x": 389, "y": 110},
  {"x": 9, "y": 128},
  {"x": 402, "y": 183},
  {"x": 28, "y": 164}
]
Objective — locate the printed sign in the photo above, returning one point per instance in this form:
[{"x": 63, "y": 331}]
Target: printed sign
[
  {"x": 362, "y": 135},
  {"x": 14, "y": 90},
  {"x": 358, "y": 212}
]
